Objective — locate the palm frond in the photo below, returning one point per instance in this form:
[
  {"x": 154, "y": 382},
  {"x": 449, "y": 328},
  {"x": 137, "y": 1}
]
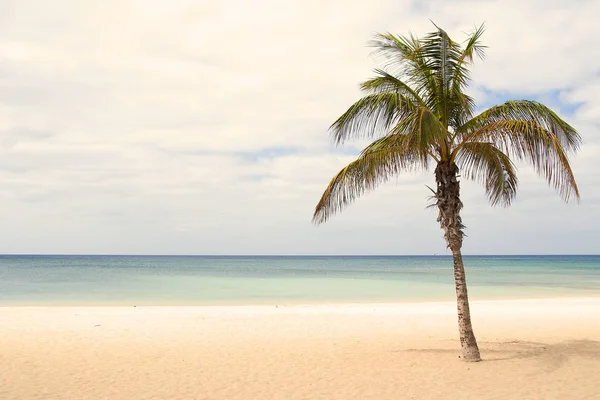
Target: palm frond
[
  {"x": 461, "y": 108},
  {"x": 372, "y": 116},
  {"x": 529, "y": 131},
  {"x": 438, "y": 47},
  {"x": 436, "y": 68},
  {"x": 379, "y": 162},
  {"x": 423, "y": 130},
  {"x": 474, "y": 46},
  {"x": 444, "y": 57},
  {"x": 526, "y": 110},
  {"x": 384, "y": 82},
  {"x": 406, "y": 60},
  {"x": 462, "y": 105},
  {"x": 485, "y": 163}
]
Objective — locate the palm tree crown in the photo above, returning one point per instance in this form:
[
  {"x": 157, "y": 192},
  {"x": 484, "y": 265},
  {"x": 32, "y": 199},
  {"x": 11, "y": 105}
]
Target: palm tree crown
[{"x": 417, "y": 109}]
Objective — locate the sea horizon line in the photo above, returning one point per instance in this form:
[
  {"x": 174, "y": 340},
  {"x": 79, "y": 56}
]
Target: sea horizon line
[{"x": 290, "y": 255}]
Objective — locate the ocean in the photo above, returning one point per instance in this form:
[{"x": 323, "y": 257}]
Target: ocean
[{"x": 281, "y": 280}]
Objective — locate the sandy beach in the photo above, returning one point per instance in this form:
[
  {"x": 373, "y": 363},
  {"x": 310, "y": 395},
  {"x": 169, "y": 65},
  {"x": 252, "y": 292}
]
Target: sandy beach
[{"x": 532, "y": 349}]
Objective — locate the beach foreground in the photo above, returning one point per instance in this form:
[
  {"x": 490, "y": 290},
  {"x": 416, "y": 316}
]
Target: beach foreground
[{"x": 532, "y": 349}]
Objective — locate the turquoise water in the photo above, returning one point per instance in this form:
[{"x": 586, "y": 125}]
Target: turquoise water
[{"x": 188, "y": 280}]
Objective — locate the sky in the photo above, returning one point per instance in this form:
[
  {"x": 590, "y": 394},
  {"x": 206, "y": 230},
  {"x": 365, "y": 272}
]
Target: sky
[{"x": 201, "y": 127}]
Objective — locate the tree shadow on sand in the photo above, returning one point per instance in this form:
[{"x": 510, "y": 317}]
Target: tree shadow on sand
[{"x": 554, "y": 355}]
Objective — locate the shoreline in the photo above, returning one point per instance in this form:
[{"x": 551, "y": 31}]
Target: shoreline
[{"x": 566, "y": 297}]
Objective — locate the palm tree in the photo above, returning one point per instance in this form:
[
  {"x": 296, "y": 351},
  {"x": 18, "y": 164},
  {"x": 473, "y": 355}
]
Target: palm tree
[{"x": 417, "y": 108}]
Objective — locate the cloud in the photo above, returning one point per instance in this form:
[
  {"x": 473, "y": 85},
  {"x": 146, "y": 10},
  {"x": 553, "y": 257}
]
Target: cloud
[
  {"x": 11, "y": 137},
  {"x": 201, "y": 127}
]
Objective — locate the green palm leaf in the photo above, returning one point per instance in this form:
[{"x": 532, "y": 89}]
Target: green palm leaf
[
  {"x": 372, "y": 116},
  {"x": 379, "y": 162},
  {"x": 462, "y": 104},
  {"x": 485, "y": 163},
  {"x": 406, "y": 59},
  {"x": 529, "y": 131},
  {"x": 385, "y": 82}
]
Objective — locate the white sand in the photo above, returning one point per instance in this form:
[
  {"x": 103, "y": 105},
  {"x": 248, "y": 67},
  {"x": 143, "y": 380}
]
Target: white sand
[{"x": 533, "y": 349}]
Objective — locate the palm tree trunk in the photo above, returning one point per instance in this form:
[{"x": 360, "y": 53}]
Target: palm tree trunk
[{"x": 449, "y": 205}]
